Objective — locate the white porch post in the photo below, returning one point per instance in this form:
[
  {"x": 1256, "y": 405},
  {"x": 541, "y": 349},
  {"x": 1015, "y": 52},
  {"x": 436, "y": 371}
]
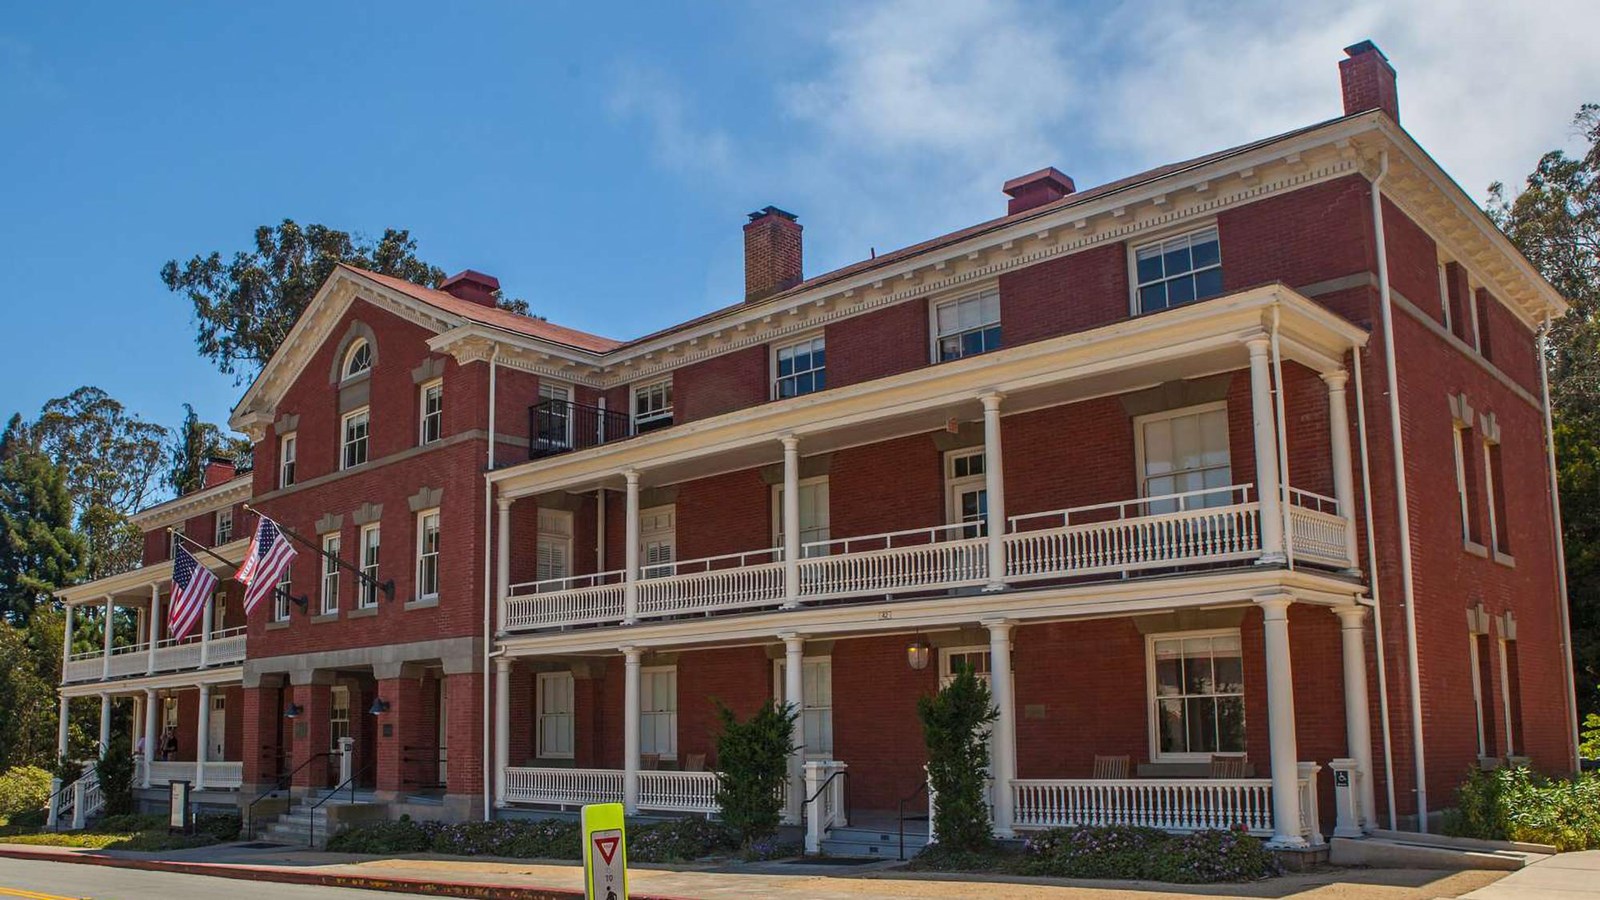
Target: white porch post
[
  {"x": 63, "y": 724},
  {"x": 502, "y": 727},
  {"x": 1003, "y": 739},
  {"x": 502, "y": 561},
  {"x": 1344, "y": 489},
  {"x": 794, "y": 655},
  {"x": 1357, "y": 706},
  {"x": 791, "y": 521},
  {"x": 205, "y": 632},
  {"x": 66, "y": 641},
  {"x": 994, "y": 489},
  {"x": 1263, "y": 420},
  {"x": 155, "y": 627},
  {"x": 630, "y": 727},
  {"x": 137, "y": 722},
  {"x": 105, "y": 722},
  {"x": 1280, "y": 725},
  {"x": 152, "y": 741},
  {"x": 105, "y": 658},
  {"x": 202, "y": 740},
  {"x": 630, "y": 595}
]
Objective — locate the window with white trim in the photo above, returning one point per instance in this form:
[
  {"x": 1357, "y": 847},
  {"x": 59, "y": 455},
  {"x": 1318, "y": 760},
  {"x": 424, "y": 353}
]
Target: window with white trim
[
  {"x": 1178, "y": 270},
  {"x": 966, "y": 326},
  {"x": 286, "y": 454},
  {"x": 658, "y": 711},
  {"x": 224, "y": 532},
  {"x": 428, "y": 554},
  {"x": 658, "y": 538},
  {"x": 554, "y": 551},
  {"x": 1196, "y": 694},
  {"x": 338, "y": 716},
  {"x": 169, "y": 716},
  {"x": 816, "y": 702},
  {"x": 1183, "y": 451},
  {"x": 1466, "y": 459},
  {"x": 280, "y": 597},
  {"x": 966, "y": 500},
  {"x": 219, "y": 611},
  {"x": 354, "y": 427},
  {"x": 371, "y": 544},
  {"x": 1482, "y": 691},
  {"x": 1495, "y": 491},
  {"x": 799, "y": 368},
  {"x": 330, "y": 573},
  {"x": 553, "y": 421},
  {"x": 951, "y": 659},
  {"x": 432, "y": 411},
  {"x": 554, "y": 702},
  {"x": 1444, "y": 293},
  {"x": 357, "y": 359},
  {"x": 813, "y": 515},
  {"x": 652, "y": 405}
]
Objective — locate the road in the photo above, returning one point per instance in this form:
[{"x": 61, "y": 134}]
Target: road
[{"x": 72, "y": 881}]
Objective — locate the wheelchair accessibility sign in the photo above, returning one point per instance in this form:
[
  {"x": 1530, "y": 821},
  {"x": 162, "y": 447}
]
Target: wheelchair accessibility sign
[{"x": 605, "y": 852}]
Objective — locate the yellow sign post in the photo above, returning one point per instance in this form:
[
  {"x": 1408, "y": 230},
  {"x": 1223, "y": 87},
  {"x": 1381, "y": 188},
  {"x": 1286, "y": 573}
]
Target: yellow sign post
[{"x": 605, "y": 852}]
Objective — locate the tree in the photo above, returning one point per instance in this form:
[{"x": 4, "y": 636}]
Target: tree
[
  {"x": 115, "y": 772},
  {"x": 27, "y": 702},
  {"x": 39, "y": 551},
  {"x": 111, "y": 460},
  {"x": 1555, "y": 222},
  {"x": 955, "y": 725},
  {"x": 193, "y": 445},
  {"x": 753, "y": 767}
]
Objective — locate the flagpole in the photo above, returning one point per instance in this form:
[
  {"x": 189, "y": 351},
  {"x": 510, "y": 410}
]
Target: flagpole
[
  {"x": 277, "y": 590},
  {"x": 386, "y": 586}
]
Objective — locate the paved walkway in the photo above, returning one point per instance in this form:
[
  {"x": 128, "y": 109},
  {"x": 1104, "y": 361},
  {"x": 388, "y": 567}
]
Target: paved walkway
[
  {"x": 503, "y": 878},
  {"x": 1565, "y": 876}
]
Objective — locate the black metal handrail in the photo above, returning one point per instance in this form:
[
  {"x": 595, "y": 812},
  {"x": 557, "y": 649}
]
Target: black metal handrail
[
  {"x": 282, "y": 783},
  {"x": 921, "y": 790},
  {"x": 424, "y": 754},
  {"x": 557, "y": 426},
  {"x": 806, "y": 804},
  {"x": 311, "y": 812}
]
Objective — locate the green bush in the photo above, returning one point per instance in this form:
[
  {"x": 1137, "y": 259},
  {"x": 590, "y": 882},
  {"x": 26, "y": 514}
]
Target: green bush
[
  {"x": 1125, "y": 852},
  {"x": 676, "y": 841},
  {"x": 221, "y": 826},
  {"x": 753, "y": 768},
  {"x": 954, "y": 727},
  {"x": 115, "y": 770},
  {"x": 23, "y": 789},
  {"x": 404, "y": 836},
  {"x": 1516, "y": 804},
  {"x": 681, "y": 840}
]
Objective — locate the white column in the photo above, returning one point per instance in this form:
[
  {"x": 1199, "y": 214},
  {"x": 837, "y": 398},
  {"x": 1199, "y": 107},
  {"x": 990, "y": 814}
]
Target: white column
[
  {"x": 502, "y": 561},
  {"x": 105, "y": 722},
  {"x": 630, "y": 728},
  {"x": 630, "y": 595},
  {"x": 66, "y": 642},
  {"x": 205, "y": 632},
  {"x": 105, "y": 659},
  {"x": 1268, "y": 487},
  {"x": 152, "y": 740},
  {"x": 794, "y": 656},
  {"x": 202, "y": 740},
  {"x": 137, "y": 722},
  {"x": 1357, "y": 705},
  {"x": 502, "y": 727},
  {"x": 791, "y": 521},
  {"x": 1003, "y": 738},
  {"x": 63, "y": 723},
  {"x": 155, "y": 626},
  {"x": 1280, "y": 725},
  {"x": 1344, "y": 489},
  {"x": 600, "y": 523},
  {"x": 994, "y": 489}
]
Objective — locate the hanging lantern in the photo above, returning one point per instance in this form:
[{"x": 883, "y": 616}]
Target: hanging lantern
[{"x": 918, "y": 652}]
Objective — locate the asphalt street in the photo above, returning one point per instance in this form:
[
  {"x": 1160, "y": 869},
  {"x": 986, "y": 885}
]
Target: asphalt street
[{"x": 70, "y": 881}]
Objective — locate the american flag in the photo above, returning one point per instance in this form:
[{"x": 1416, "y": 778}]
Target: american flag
[
  {"x": 192, "y": 586},
  {"x": 264, "y": 563}
]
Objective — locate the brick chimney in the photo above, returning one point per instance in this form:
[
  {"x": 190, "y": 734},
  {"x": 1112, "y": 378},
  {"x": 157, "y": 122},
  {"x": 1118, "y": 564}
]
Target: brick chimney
[
  {"x": 472, "y": 286},
  {"x": 218, "y": 470},
  {"x": 771, "y": 253},
  {"x": 1368, "y": 81},
  {"x": 1036, "y": 189}
]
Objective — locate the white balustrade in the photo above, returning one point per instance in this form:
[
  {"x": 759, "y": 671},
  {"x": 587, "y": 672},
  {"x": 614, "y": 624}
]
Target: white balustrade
[
  {"x": 1186, "y": 804},
  {"x": 945, "y": 556},
  {"x": 172, "y": 655},
  {"x": 691, "y": 792},
  {"x": 227, "y": 647},
  {"x": 732, "y": 581},
  {"x": 1319, "y": 534},
  {"x": 1310, "y": 814},
  {"x": 577, "y": 600},
  {"x": 130, "y": 660},
  {"x": 566, "y": 787},
  {"x": 83, "y": 667}
]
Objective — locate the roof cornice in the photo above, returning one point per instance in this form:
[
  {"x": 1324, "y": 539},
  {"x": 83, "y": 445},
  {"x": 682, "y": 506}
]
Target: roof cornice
[{"x": 235, "y": 490}]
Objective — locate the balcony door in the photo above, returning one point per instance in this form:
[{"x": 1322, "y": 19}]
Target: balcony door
[
  {"x": 1183, "y": 451},
  {"x": 554, "y": 421}
]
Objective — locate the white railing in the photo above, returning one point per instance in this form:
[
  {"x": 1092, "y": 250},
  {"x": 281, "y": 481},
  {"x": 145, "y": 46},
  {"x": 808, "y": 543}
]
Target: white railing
[
  {"x": 220, "y": 773},
  {"x": 1179, "y": 804},
  {"x": 83, "y": 667},
  {"x": 578, "y": 600},
  {"x": 566, "y": 787},
  {"x": 132, "y": 660},
  {"x": 944, "y": 556},
  {"x": 1318, "y": 532},
  {"x": 691, "y": 792},
  {"x": 1310, "y": 813},
  {"x": 227, "y": 646},
  {"x": 731, "y": 581},
  {"x": 75, "y": 803}
]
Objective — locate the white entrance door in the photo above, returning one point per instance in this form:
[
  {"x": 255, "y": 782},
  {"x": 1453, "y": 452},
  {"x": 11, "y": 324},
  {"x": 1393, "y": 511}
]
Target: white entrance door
[
  {"x": 444, "y": 729},
  {"x": 217, "y": 740}
]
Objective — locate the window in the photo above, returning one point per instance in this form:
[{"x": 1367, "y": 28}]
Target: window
[
  {"x": 1181, "y": 451},
  {"x": 966, "y": 327},
  {"x": 224, "y": 527},
  {"x": 1499, "y": 528},
  {"x": 428, "y": 554},
  {"x": 432, "y": 411},
  {"x": 658, "y": 537},
  {"x": 1511, "y": 695},
  {"x": 219, "y": 611},
  {"x": 816, "y": 713},
  {"x": 800, "y": 369},
  {"x": 553, "y": 421},
  {"x": 355, "y": 439},
  {"x": 358, "y": 359},
  {"x": 952, "y": 659},
  {"x": 1178, "y": 270},
  {"x": 966, "y": 500},
  {"x": 330, "y": 574},
  {"x": 1444, "y": 294},
  {"x": 1483, "y": 692},
  {"x": 1197, "y": 695},
  {"x": 173, "y": 541},
  {"x": 813, "y": 515},
  {"x": 280, "y": 597},
  {"x": 286, "y": 451},
  {"x": 1467, "y": 482},
  {"x": 371, "y": 541},
  {"x": 554, "y": 702},
  {"x": 652, "y": 405},
  {"x": 658, "y": 712},
  {"x": 555, "y": 545},
  {"x": 169, "y": 715},
  {"x": 338, "y": 716}
]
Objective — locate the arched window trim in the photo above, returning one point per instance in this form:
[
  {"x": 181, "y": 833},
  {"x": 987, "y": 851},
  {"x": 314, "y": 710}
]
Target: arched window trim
[{"x": 346, "y": 369}]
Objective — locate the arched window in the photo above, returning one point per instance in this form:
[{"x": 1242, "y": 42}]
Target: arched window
[{"x": 357, "y": 359}]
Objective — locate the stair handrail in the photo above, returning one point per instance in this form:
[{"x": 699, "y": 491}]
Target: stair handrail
[
  {"x": 822, "y": 788},
  {"x": 921, "y": 790},
  {"x": 311, "y": 812},
  {"x": 282, "y": 783},
  {"x": 56, "y": 798}
]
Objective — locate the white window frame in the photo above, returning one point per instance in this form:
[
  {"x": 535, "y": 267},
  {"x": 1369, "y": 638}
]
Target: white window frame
[
  {"x": 1444, "y": 293},
  {"x": 565, "y": 720},
  {"x": 346, "y": 443},
  {"x": 1495, "y": 525},
  {"x": 345, "y": 371},
  {"x": 1187, "y": 231},
  {"x": 1139, "y": 422},
  {"x": 1152, "y": 698},
  {"x": 957, "y": 485},
  {"x": 813, "y": 342},
  {"x": 367, "y": 589},
  {"x": 288, "y": 447},
  {"x": 1472, "y": 311},
  {"x": 1475, "y": 659},
  {"x": 822, "y": 712},
  {"x": 555, "y": 529},
  {"x": 948, "y": 656},
  {"x": 332, "y": 545},
  {"x": 219, "y": 611},
  {"x": 826, "y": 528},
  {"x": 280, "y": 596},
  {"x": 671, "y": 751},
  {"x": 431, "y": 390},
  {"x": 935, "y": 335},
  {"x": 555, "y": 390},
  {"x": 338, "y": 714},
  {"x": 222, "y": 535},
  {"x": 1462, "y": 460},
  {"x": 658, "y": 540},
  {"x": 169, "y": 716},
  {"x": 654, "y": 415},
  {"x": 427, "y": 557}
]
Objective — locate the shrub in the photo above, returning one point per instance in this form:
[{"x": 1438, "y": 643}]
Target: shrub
[
  {"x": 115, "y": 770},
  {"x": 404, "y": 836},
  {"x": 1125, "y": 852},
  {"x": 954, "y": 727},
  {"x": 1514, "y": 803},
  {"x": 221, "y": 826},
  {"x": 753, "y": 768},
  {"x": 23, "y": 789},
  {"x": 676, "y": 841},
  {"x": 1205, "y": 857},
  {"x": 681, "y": 840}
]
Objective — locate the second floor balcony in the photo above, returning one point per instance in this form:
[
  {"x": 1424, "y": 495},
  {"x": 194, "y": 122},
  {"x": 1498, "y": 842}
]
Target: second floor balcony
[{"x": 222, "y": 647}]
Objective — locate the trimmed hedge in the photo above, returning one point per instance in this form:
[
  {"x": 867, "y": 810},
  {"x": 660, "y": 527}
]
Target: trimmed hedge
[{"x": 681, "y": 840}]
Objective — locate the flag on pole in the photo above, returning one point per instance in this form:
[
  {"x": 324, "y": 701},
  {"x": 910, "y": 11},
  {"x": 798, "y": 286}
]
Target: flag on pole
[
  {"x": 264, "y": 563},
  {"x": 192, "y": 586}
]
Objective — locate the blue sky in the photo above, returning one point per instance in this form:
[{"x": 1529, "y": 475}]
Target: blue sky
[{"x": 599, "y": 159}]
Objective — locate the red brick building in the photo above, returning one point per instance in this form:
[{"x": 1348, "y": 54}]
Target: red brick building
[{"x": 1221, "y": 475}]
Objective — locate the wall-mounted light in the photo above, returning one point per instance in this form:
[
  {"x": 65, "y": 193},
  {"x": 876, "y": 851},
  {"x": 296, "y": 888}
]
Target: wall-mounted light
[
  {"x": 379, "y": 707},
  {"x": 918, "y": 652},
  {"x": 292, "y": 711}
]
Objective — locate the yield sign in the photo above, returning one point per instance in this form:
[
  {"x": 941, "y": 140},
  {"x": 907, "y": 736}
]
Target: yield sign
[{"x": 607, "y": 847}]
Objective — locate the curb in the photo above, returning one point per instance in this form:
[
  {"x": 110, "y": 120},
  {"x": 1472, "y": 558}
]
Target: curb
[{"x": 277, "y": 875}]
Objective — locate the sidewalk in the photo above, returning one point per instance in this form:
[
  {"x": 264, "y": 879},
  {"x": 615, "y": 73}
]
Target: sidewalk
[
  {"x": 425, "y": 874},
  {"x": 1565, "y": 876}
]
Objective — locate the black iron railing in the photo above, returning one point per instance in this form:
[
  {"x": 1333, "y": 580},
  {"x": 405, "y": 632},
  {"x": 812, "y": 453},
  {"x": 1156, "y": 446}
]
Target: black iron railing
[
  {"x": 281, "y": 783},
  {"x": 557, "y": 426}
]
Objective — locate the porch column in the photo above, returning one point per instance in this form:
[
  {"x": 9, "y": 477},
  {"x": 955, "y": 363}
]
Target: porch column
[
  {"x": 1344, "y": 489},
  {"x": 66, "y": 641},
  {"x": 630, "y": 595},
  {"x": 205, "y": 632},
  {"x": 791, "y": 521},
  {"x": 136, "y": 723},
  {"x": 502, "y": 561},
  {"x": 794, "y": 658},
  {"x": 1280, "y": 725},
  {"x": 502, "y": 726},
  {"x": 994, "y": 490},
  {"x": 105, "y": 659},
  {"x": 63, "y": 721},
  {"x": 202, "y": 738},
  {"x": 1264, "y": 422},
  {"x": 1357, "y": 708},
  {"x": 105, "y": 722},
  {"x": 152, "y": 741},
  {"x": 1003, "y": 739},
  {"x": 630, "y": 722},
  {"x": 155, "y": 627}
]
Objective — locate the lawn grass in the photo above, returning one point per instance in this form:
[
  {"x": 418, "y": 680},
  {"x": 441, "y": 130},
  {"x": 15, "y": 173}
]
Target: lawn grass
[{"x": 121, "y": 840}]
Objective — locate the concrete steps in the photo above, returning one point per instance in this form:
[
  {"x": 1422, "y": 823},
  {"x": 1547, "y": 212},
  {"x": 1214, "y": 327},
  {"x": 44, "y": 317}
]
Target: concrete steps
[
  {"x": 881, "y": 842},
  {"x": 295, "y": 825}
]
